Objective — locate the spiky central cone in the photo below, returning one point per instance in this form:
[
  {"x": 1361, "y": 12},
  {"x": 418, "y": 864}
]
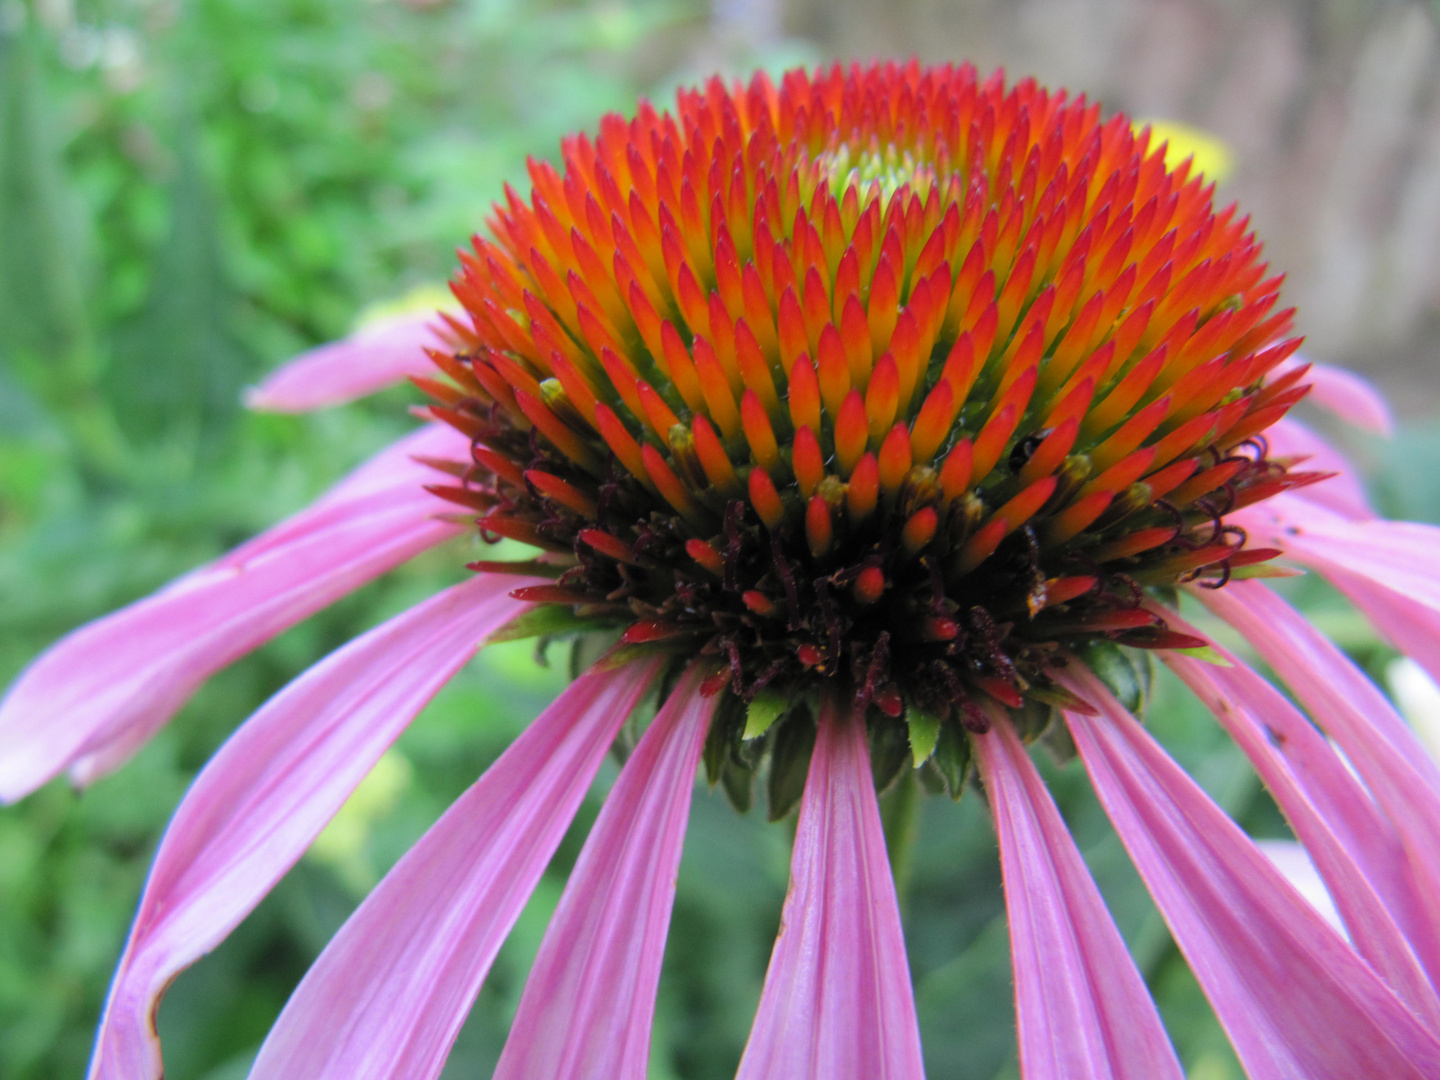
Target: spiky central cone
[{"x": 886, "y": 376}]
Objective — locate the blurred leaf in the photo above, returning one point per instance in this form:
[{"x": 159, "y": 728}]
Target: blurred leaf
[
  {"x": 343, "y": 843},
  {"x": 21, "y": 416},
  {"x": 177, "y": 370},
  {"x": 43, "y": 322},
  {"x": 1407, "y": 473},
  {"x": 967, "y": 1009}
]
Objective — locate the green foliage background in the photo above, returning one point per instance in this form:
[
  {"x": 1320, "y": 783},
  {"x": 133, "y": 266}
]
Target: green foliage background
[{"x": 190, "y": 193}]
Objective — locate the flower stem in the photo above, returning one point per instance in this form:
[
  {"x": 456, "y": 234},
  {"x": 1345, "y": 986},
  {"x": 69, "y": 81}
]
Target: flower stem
[{"x": 900, "y": 816}]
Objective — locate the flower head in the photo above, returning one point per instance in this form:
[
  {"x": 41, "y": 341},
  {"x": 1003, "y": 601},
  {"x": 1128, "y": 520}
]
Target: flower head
[
  {"x": 888, "y": 378},
  {"x": 885, "y": 408}
]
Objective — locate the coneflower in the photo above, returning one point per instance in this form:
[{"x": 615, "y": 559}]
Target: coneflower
[{"x": 880, "y": 418}]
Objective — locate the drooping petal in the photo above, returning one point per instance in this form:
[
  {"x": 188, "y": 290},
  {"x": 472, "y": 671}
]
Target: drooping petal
[
  {"x": 1294, "y": 998},
  {"x": 1351, "y": 397},
  {"x": 1385, "y": 568},
  {"x": 589, "y": 1003},
  {"x": 332, "y": 374},
  {"x": 1378, "y": 743},
  {"x": 1357, "y": 850},
  {"x": 1343, "y": 492},
  {"x": 1342, "y": 699},
  {"x": 270, "y": 790},
  {"x": 1398, "y": 555},
  {"x": 388, "y": 995},
  {"x": 1397, "y": 591},
  {"x": 1082, "y": 1009},
  {"x": 837, "y": 1001},
  {"x": 396, "y": 469},
  {"x": 101, "y": 691},
  {"x": 1411, "y": 627}
]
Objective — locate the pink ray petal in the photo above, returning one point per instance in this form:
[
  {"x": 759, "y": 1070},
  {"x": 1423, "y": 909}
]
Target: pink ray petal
[
  {"x": 1411, "y": 627},
  {"x": 105, "y": 688},
  {"x": 837, "y": 1001},
  {"x": 589, "y": 1003},
  {"x": 1350, "y": 396},
  {"x": 395, "y": 469},
  {"x": 388, "y": 995},
  {"x": 1400, "y": 555},
  {"x": 1357, "y": 850},
  {"x": 1378, "y": 743},
  {"x": 1386, "y": 569},
  {"x": 1082, "y": 1010},
  {"x": 371, "y": 359},
  {"x": 1295, "y": 999},
  {"x": 1342, "y": 492},
  {"x": 1347, "y": 705},
  {"x": 269, "y": 791}
]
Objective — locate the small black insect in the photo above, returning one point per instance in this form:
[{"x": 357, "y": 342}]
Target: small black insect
[{"x": 1025, "y": 448}]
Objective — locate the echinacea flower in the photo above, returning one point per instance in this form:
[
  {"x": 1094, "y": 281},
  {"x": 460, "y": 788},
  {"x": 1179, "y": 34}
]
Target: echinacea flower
[{"x": 883, "y": 416}]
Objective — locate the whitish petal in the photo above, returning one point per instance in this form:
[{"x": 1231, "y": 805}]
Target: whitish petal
[
  {"x": 269, "y": 792},
  {"x": 388, "y": 995},
  {"x": 1081, "y": 1007},
  {"x": 1296, "y": 867},
  {"x": 837, "y": 1001},
  {"x": 369, "y": 360},
  {"x": 1418, "y": 696},
  {"x": 1295, "y": 999},
  {"x": 1351, "y": 397},
  {"x": 589, "y": 1003},
  {"x": 102, "y": 690},
  {"x": 1356, "y": 848}
]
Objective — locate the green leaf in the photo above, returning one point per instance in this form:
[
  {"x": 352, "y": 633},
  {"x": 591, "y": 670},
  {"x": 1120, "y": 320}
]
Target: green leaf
[
  {"x": 766, "y": 707},
  {"x": 542, "y": 620},
  {"x": 1059, "y": 697},
  {"x": 1033, "y": 718},
  {"x": 1265, "y": 570},
  {"x": 1128, "y": 673},
  {"x": 790, "y": 764},
  {"x": 924, "y": 733},
  {"x": 889, "y": 750},
  {"x": 739, "y": 783},
  {"x": 952, "y": 758},
  {"x": 1207, "y": 653},
  {"x": 722, "y": 730}
]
